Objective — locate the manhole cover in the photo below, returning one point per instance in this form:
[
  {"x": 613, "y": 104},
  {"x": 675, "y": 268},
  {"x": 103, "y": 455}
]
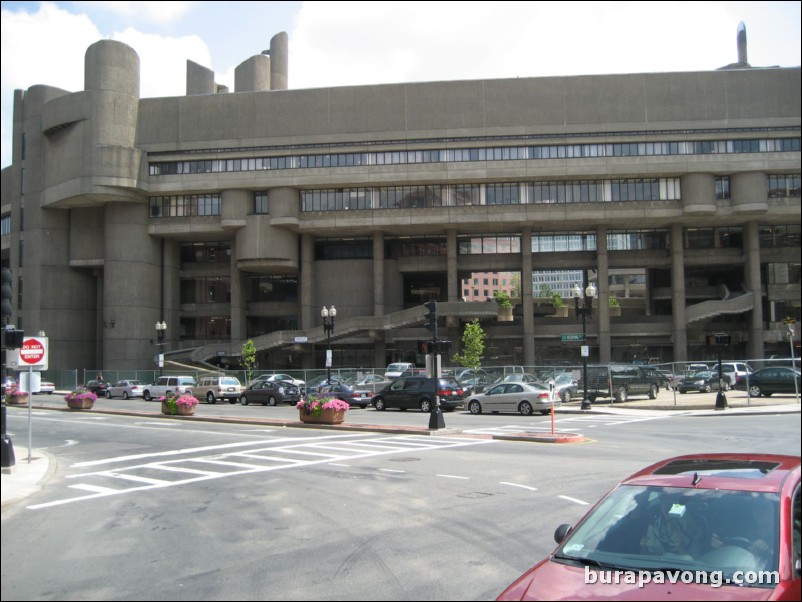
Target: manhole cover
[{"x": 404, "y": 459}]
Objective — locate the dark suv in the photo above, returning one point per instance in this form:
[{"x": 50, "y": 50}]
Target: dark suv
[
  {"x": 621, "y": 381},
  {"x": 419, "y": 392}
]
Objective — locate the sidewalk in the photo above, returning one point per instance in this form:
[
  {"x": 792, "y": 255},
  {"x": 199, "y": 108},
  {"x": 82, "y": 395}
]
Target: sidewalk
[{"x": 26, "y": 478}]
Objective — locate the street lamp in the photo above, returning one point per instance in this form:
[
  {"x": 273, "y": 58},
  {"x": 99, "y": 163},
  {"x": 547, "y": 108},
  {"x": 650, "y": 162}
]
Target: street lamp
[
  {"x": 161, "y": 328},
  {"x": 328, "y": 315},
  {"x": 790, "y": 326},
  {"x": 585, "y": 311}
]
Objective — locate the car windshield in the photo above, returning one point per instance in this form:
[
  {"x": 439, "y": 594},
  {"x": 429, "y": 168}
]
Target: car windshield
[
  {"x": 397, "y": 367},
  {"x": 229, "y": 381},
  {"x": 662, "y": 528}
]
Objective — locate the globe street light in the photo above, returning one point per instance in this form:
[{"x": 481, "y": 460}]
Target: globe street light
[
  {"x": 161, "y": 328},
  {"x": 328, "y": 315},
  {"x": 585, "y": 311}
]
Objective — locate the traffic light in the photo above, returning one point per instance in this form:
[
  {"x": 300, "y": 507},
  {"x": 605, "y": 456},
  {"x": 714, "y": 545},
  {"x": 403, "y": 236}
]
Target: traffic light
[
  {"x": 424, "y": 347},
  {"x": 11, "y": 338},
  {"x": 431, "y": 316},
  {"x": 5, "y": 286}
]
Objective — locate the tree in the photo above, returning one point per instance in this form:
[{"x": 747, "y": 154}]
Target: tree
[
  {"x": 248, "y": 359},
  {"x": 473, "y": 346}
]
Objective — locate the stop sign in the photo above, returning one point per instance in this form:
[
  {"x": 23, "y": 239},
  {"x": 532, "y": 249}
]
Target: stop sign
[{"x": 33, "y": 352}]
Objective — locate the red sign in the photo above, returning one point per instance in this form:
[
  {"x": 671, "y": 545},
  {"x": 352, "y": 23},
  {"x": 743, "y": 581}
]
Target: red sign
[{"x": 32, "y": 352}]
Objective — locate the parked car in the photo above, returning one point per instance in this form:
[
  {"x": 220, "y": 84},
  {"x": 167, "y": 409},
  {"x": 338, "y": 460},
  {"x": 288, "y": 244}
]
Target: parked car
[
  {"x": 98, "y": 387},
  {"x": 419, "y": 392},
  {"x": 621, "y": 381},
  {"x": 396, "y": 369},
  {"x": 270, "y": 393},
  {"x": 718, "y": 518},
  {"x": 734, "y": 372},
  {"x": 374, "y": 382},
  {"x": 700, "y": 382},
  {"x": 565, "y": 387},
  {"x": 767, "y": 381},
  {"x": 281, "y": 377},
  {"x": 475, "y": 383},
  {"x": 168, "y": 384},
  {"x": 512, "y": 397},
  {"x": 314, "y": 384},
  {"x": 668, "y": 379},
  {"x": 353, "y": 395},
  {"x": 125, "y": 389},
  {"x": 213, "y": 388}
]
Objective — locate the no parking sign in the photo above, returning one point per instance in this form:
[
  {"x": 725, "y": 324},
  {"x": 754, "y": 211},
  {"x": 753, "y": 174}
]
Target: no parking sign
[{"x": 32, "y": 354}]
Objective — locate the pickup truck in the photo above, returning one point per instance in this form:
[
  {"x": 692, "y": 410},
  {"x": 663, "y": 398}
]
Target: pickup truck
[{"x": 620, "y": 381}]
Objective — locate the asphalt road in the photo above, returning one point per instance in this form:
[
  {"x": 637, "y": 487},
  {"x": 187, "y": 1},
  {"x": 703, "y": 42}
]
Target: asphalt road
[{"x": 139, "y": 507}]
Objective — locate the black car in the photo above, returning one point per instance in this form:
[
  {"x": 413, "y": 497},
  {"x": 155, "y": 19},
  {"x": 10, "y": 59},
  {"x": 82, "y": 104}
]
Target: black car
[
  {"x": 419, "y": 392},
  {"x": 98, "y": 387},
  {"x": 771, "y": 380},
  {"x": 270, "y": 393},
  {"x": 700, "y": 382}
]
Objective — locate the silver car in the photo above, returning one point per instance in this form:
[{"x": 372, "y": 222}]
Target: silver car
[
  {"x": 125, "y": 389},
  {"x": 512, "y": 397},
  {"x": 168, "y": 384}
]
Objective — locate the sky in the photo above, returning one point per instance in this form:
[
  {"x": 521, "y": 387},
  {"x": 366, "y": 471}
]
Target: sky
[{"x": 356, "y": 43}]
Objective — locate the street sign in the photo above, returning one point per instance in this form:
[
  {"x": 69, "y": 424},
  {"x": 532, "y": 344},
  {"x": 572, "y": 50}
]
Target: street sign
[
  {"x": 576, "y": 337},
  {"x": 301, "y": 339},
  {"x": 31, "y": 354}
]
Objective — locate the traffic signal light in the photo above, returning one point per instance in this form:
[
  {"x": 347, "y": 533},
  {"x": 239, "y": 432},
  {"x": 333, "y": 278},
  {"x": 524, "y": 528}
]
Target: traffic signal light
[
  {"x": 424, "y": 347},
  {"x": 431, "y": 316},
  {"x": 443, "y": 346},
  {"x": 11, "y": 338},
  {"x": 5, "y": 287}
]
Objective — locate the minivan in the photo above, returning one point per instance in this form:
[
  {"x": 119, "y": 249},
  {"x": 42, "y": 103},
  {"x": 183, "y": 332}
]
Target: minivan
[
  {"x": 165, "y": 385},
  {"x": 219, "y": 387},
  {"x": 411, "y": 392}
]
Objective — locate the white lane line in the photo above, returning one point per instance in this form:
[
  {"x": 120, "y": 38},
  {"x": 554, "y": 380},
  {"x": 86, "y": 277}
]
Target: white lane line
[
  {"x": 391, "y": 470},
  {"x": 129, "y": 477},
  {"x": 95, "y": 489},
  {"x": 519, "y": 485},
  {"x": 573, "y": 499},
  {"x": 451, "y": 476}
]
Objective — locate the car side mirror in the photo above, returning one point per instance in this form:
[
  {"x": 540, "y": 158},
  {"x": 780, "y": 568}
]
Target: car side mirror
[{"x": 561, "y": 532}]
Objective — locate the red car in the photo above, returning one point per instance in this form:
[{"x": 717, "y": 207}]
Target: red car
[{"x": 698, "y": 527}]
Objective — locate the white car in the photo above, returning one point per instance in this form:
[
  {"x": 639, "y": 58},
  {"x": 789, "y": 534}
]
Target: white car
[
  {"x": 125, "y": 389},
  {"x": 46, "y": 386}
]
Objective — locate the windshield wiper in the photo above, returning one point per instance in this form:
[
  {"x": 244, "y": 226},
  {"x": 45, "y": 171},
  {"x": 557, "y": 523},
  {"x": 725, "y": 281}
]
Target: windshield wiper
[{"x": 589, "y": 562}]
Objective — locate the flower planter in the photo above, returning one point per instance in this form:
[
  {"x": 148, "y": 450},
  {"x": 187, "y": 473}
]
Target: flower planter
[
  {"x": 80, "y": 404},
  {"x": 615, "y": 311},
  {"x": 561, "y": 311},
  {"x": 181, "y": 410},
  {"x": 326, "y": 417},
  {"x": 505, "y": 314},
  {"x": 17, "y": 400}
]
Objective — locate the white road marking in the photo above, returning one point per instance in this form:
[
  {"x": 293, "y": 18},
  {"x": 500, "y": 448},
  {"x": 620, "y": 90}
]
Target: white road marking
[
  {"x": 573, "y": 499},
  {"x": 519, "y": 485},
  {"x": 451, "y": 476},
  {"x": 266, "y": 455}
]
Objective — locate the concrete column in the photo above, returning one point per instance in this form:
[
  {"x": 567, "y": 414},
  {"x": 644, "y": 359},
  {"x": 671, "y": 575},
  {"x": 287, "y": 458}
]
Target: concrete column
[
  {"x": 679, "y": 329},
  {"x": 253, "y": 75},
  {"x": 698, "y": 193},
  {"x": 603, "y": 311},
  {"x": 379, "y": 345},
  {"x": 131, "y": 289},
  {"x": 750, "y": 192},
  {"x": 527, "y": 303},
  {"x": 755, "y": 347},
  {"x": 239, "y": 326},
  {"x": 306, "y": 282},
  {"x": 451, "y": 266}
]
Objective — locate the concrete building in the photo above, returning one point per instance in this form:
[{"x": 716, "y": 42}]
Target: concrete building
[{"x": 237, "y": 215}]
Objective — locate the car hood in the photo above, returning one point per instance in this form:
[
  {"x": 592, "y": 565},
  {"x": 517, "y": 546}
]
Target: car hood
[{"x": 551, "y": 580}]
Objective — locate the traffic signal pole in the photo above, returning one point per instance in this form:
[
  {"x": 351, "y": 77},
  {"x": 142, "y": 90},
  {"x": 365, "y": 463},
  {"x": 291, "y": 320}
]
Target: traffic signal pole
[
  {"x": 7, "y": 459},
  {"x": 436, "y": 420}
]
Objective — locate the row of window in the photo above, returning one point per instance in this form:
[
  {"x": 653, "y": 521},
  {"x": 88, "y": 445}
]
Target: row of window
[
  {"x": 510, "y": 193},
  {"x": 451, "y": 155},
  {"x": 554, "y": 242}
]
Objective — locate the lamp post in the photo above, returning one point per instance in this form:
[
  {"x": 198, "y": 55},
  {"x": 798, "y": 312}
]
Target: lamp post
[
  {"x": 161, "y": 328},
  {"x": 585, "y": 311},
  {"x": 328, "y": 315},
  {"x": 790, "y": 325}
]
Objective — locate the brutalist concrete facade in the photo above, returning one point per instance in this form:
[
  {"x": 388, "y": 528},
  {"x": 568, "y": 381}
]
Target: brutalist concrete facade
[{"x": 97, "y": 246}]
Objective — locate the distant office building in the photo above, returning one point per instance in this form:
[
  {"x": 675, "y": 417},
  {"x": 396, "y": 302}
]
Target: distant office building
[{"x": 235, "y": 215}]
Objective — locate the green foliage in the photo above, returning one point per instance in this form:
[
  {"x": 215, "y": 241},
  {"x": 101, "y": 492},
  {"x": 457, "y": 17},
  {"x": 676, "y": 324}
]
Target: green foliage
[
  {"x": 473, "y": 346},
  {"x": 503, "y": 299},
  {"x": 557, "y": 299},
  {"x": 613, "y": 301},
  {"x": 249, "y": 359}
]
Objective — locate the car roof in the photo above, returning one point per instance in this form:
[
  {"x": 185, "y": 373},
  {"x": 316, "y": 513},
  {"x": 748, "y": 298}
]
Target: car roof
[{"x": 742, "y": 472}]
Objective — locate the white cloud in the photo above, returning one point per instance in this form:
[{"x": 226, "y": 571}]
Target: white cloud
[{"x": 157, "y": 12}]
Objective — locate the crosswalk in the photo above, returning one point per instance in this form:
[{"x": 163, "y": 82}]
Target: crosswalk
[
  {"x": 136, "y": 473},
  {"x": 575, "y": 423}
]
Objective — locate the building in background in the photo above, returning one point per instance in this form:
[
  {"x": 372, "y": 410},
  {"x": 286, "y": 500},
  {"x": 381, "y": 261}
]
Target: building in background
[{"x": 229, "y": 215}]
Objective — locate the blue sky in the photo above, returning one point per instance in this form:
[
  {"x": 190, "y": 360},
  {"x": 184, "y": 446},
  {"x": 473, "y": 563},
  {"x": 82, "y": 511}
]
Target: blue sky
[{"x": 355, "y": 43}]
